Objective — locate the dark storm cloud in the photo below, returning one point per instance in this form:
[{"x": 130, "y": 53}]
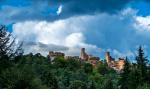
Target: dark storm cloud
[
  {"x": 90, "y": 7},
  {"x": 44, "y": 47},
  {"x": 20, "y": 10}
]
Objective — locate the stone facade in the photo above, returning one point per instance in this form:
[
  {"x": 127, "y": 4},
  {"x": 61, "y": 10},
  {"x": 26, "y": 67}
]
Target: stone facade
[
  {"x": 72, "y": 57},
  {"x": 94, "y": 60},
  {"x": 83, "y": 55},
  {"x": 89, "y": 58},
  {"x": 53, "y": 54},
  {"x": 116, "y": 65}
]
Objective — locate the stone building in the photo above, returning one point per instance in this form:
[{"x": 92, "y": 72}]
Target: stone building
[
  {"x": 116, "y": 65},
  {"x": 94, "y": 60},
  {"x": 53, "y": 54},
  {"x": 72, "y": 57},
  {"x": 83, "y": 55},
  {"x": 89, "y": 58}
]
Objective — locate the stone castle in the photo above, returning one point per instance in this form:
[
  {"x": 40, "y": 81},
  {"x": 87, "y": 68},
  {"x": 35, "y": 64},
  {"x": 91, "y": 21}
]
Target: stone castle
[
  {"x": 116, "y": 65},
  {"x": 89, "y": 58},
  {"x": 53, "y": 54},
  {"x": 84, "y": 57}
]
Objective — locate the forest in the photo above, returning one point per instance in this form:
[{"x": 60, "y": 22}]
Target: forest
[{"x": 34, "y": 71}]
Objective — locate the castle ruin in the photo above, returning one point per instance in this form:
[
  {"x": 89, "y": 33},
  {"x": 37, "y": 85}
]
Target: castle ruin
[
  {"x": 52, "y": 55},
  {"x": 116, "y": 65},
  {"x": 89, "y": 58}
]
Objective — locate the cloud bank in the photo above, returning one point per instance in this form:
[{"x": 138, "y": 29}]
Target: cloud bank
[
  {"x": 68, "y": 25},
  {"x": 94, "y": 32},
  {"x": 46, "y": 36}
]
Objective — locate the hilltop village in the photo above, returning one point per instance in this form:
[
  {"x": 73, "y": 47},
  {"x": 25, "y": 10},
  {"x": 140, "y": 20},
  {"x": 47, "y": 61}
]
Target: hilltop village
[{"x": 117, "y": 64}]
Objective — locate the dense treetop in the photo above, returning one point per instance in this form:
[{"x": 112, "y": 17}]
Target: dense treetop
[{"x": 34, "y": 71}]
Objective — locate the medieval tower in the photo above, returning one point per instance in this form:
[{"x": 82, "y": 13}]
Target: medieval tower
[
  {"x": 83, "y": 54},
  {"x": 108, "y": 57}
]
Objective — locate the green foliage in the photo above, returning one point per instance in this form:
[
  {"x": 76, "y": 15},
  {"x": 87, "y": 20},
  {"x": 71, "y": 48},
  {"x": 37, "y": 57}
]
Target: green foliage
[
  {"x": 133, "y": 78},
  {"x": 73, "y": 64},
  {"x": 108, "y": 84},
  {"x": 139, "y": 71},
  {"x": 145, "y": 86},
  {"x": 36, "y": 72},
  {"x": 141, "y": 65},
  {"x": 50, "y": 80},
  {"x": 77, "y": 85},
  {"x": 19, "y": 78},
  {"x": 103, "y": 68},
  {"x": 92, "y": 85},
  {"x": 59, "y": 62},
  {"x": 124, "y": 80},
  {"x": 7, "y": 51},
  {"x": 88, "y": 68}
]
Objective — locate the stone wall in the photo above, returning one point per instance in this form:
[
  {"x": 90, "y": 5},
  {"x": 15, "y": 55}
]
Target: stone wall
[{"x": 117, "y": 65}]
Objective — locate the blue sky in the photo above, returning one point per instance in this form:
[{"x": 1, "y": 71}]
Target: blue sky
[{"x": 118, "y": 26}]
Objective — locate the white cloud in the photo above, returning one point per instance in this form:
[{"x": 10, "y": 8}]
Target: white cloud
[
  {"x": 92, "y": 32},
  {"x": 60, "y": 33},
  {"x": 59, "y": 10},
  {"x": 143, "y": 23},
  {"x": 129, "y": 11},
  {"x": 74, "y": 39},
  {"x": 118, "y": 54}
]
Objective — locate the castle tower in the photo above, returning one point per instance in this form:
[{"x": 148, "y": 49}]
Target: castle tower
[
  {"x": 83, "y": 54},
  {"x": 108, "y": 57}
]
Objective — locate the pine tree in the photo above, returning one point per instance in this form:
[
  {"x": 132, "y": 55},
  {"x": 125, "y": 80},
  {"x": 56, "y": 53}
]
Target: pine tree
[
  {"x": 124, "y": 76},
  {"x": 141, "y": 65},
  {"x": 138, "y": 74},
  {"x": 108, "y": 84},
  {"x": 6, "y": 48},
  {"x": 49, "y": 79},
  {"x": 92, "y": 85},
  {"x": 133, "y": 77}
]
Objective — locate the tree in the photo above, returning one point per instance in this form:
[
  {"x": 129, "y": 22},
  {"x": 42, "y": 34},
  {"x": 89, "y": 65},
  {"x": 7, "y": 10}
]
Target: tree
[
  {"x": 7, "y": 51},
  {"x": 124, "y": 81},
  {"x": 59, "y": 62},
  {"x": 102, "y": 68},
  {"x": 145, "y": 86},
  {"x": 138, "y": 75},
  {"x": 88, "y": 68},
  {"x": 77, "y": 85},
  {"x": 108, "y": 84},
  {"x": 73, "y": 64},
  {"x": 133, "y": 77},
  {"x": 49, "y": 79},
  {"x": 92, "y": 85},
  {"x": 142, "y": 64},
  {"x": 19, "y": 78}
]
